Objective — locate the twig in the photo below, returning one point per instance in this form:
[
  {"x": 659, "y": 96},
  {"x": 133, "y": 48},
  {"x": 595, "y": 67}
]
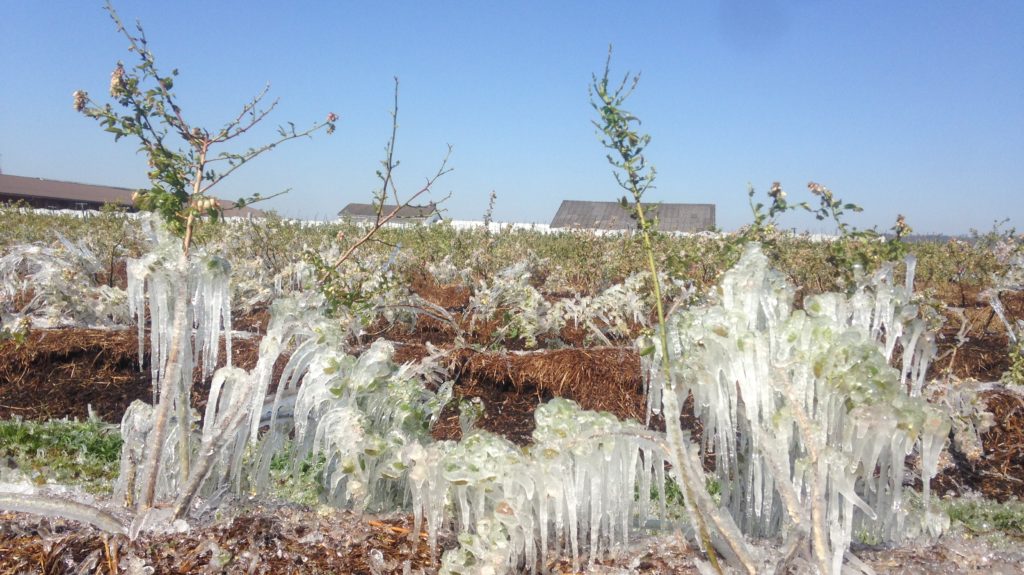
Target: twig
[
  {"x": 111, "y": 555},
  {"x": 388, "y": 183}
]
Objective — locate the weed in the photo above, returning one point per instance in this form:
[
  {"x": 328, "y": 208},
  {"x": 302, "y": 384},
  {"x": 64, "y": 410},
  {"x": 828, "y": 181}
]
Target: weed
[
  {"x": 979, "y": 516},
  {"x": 62, "y": 451}
]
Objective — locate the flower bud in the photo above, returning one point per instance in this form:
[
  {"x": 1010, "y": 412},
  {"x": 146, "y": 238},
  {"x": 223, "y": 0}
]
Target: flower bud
[
  {"x": 80, "y": 99},
  {"x": 117, "y": 81}
]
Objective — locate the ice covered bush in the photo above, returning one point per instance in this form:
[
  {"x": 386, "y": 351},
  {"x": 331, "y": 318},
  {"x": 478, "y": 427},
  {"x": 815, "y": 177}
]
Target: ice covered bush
[
  {"x": 188, "y": 293},
  {"x": 354, "y": 412},
  {"x": 593, "y": 475},
  {"x": 581, "y": 487},
  {"x": 445, "y": 272},
  {"x": 1009, "y": 252},
  {"x": 611, "y": 313},
  {"x": 58, "y": 287},
  {"x": 360, "y": 413},
  {"x": 523, "y": 312},
  {"x": 520, "y": 309},
  {"x": 189, "y": 304},
  {"x": 809, "y": 424}
]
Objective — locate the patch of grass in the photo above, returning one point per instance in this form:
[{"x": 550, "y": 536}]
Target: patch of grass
[
  {"x": 981, "y": 516},
  {"x": 301, "y": 485},
  {"x": 64, "y": 452}
]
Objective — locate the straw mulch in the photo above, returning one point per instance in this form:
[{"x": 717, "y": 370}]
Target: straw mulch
[
  {"x": 982, "y": 354},
  {"x": 512, "y": 385},
  {"x": 1004, "y": 447},
  {"x": 452, "y": 297},
  {"x": 61, "y": 373},
  {"x": 599, "y": 378},
  {"x": 273, "y": 539}
]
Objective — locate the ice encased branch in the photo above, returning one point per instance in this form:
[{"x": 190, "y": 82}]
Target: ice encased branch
[{"x": 804, "y": 401}]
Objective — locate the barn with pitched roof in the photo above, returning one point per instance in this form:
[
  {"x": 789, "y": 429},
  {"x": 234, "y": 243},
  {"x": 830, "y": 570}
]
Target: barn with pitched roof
[
  {"x": 427, "y": 214},
  {"x": 612, "y": 216},
  {"x": 58, "y": 195}
]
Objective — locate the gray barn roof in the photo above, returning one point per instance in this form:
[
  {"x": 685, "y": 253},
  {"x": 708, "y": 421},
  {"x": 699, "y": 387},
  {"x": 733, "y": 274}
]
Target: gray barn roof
[
  {"x": 40, "y": 192},
  {"x": 23, "y": 187},
  {"x": 406, "y": 214},
  {"x": 612, "y": 216}
]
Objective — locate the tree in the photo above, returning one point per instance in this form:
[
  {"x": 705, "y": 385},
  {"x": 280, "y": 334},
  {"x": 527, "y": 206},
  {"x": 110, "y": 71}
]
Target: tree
[
  {"x": 183, "y": 157},
  {"x": 185, "y": 164}
]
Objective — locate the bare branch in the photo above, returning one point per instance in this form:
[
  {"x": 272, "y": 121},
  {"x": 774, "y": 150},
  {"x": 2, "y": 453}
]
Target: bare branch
[
  {"x": 235, "y": 127},
  {"x": 254, "y": 152},
  {"x": 387, "y": 218},
  {"x": 387, "y": 183}
]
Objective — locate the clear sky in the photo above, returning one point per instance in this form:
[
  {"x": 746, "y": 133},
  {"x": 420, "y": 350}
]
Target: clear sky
[{"x": 901, "y": 107}]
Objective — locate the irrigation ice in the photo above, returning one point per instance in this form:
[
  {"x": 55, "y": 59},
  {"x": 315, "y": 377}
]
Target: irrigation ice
[{"x": 804, "y": 402}]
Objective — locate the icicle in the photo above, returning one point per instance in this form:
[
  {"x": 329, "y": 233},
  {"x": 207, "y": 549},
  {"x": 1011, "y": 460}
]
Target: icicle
[
  {"x": 212, "y": 303},
  {"x": 137, "y": 271},
  {"x": 911, "y": 262},
  {"x": 135, "y": 426},
  {"x": 1000, "y": 311}
]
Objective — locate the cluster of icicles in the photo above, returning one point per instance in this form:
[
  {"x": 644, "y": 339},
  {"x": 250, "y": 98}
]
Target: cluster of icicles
[
  {"x": 803, "y": 402},
  {"x": 794, "y": 404},
  {"x": 368, "y": 421}
]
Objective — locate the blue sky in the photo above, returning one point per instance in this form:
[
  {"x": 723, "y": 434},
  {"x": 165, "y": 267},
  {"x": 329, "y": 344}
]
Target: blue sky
[{"x": 902, "y": 107}]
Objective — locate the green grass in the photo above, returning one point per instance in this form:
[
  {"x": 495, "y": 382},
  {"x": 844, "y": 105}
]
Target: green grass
[
  {"x": 87, "y": 454},
  {"x": 303, "y": 487},
  {"x": 983, "y": 516},
  {"x": 63, "y": 452}
]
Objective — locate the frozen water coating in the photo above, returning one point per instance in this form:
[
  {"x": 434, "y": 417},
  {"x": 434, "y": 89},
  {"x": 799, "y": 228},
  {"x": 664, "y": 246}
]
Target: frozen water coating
[
  {"x": 63, "y": 286},
  {"x": 527, "y": 314},
  {"x": 581, "y": 486},
  {"x": 152, "y": 278},
  {"x": 804, "y": 401},
  {"x": 790, "y": 398},
  {"x": 211, "y": 300},
  {"x": 575, "y": 490}
]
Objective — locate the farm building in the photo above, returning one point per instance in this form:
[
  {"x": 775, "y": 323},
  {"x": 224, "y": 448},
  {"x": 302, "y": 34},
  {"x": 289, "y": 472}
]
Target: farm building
[
  {"x": 427, "y": 214},
  {"x": 58, "y": 195},
  {"x": 612, "y": 216}
]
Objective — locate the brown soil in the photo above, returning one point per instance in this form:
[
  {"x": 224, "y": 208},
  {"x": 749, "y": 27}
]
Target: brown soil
[
  {"x": 58, "y": 373},
  {"x": 282, "y": 539}
]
